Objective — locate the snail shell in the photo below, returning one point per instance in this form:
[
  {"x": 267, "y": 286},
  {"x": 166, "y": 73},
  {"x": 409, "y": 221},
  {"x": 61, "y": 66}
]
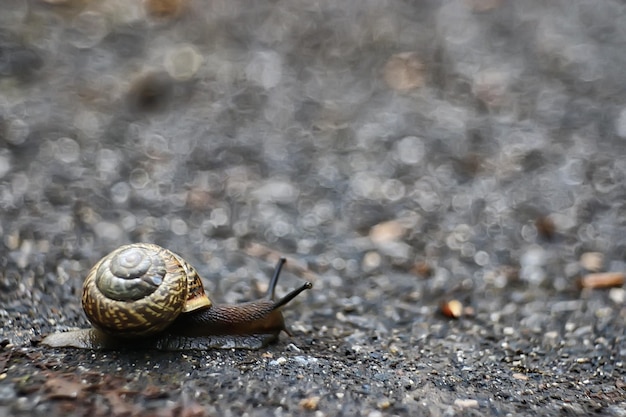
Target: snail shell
[
  {"x": 141, "y": 289},
  {"x": 144, "y": 296}
]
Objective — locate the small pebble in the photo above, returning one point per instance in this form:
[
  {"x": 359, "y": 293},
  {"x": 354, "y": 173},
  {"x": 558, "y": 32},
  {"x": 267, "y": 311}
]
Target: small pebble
[
  {"x": 265, "y": 69},
  {"x": 566, "y": 306},
  {"x": 383, "y": 404},
  {"x": 371, "y": 261},
  {"x": 183, "y": 62},
  {"x": 7, "y": 393},
  {"x": 17, "y": 131},
  {"x": 5, "y": 165},
  {"x": 411, "y": 150},
  {"x": 404, "y": 72},
  {"x": 466, "y": 403},
  {"x": 592, "y": 261},
  {"x": 388, "y": 231},
  {"x": 279, "y": 361},
  {"x": 617, "y": 295},
  {"x": 293, "y": 348},
  {"x": 88, "y": 29},
  {"x": 620, "y": 124},
  {"x": 551, "y": 335},
  {"x": 617, "y": 410},
  {"x": 310, "y": 403},
  {"x": 490, "y": 87},
  {"x": 304, "y": 360},
  {"x": 277, "y": 191},
  {"x": 394, "y": 350}
]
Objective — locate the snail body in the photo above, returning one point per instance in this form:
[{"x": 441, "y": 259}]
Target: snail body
[{"x": 145, "y": 296}]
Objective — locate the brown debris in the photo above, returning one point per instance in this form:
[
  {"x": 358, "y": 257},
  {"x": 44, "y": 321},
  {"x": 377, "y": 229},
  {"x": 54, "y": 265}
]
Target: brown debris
[
  {"x": 545, "y": 227},
  {"x": 452, "y": 309},
  {"x": 119, "y": 398},
  {"x": 404, "y": 72},
  {"x": 199, "y": 199},
  {"x": 150, "y": 92},
  {"x": 164, "y": 8},
  {"x": 67, "y": 5},
  {"x": 63, "y": 389},
  {"x": 603, "y": 280},
  {"x": 57, "y": 2},
  {"x": 120, "y": 407},
  {"x": 423, "y": 269},
  {"x": 310, "y": 403},
  {"x": 153, "y": 392},
  {"x": 193, "y": 410},
  {"x": 4, "y": 359}
]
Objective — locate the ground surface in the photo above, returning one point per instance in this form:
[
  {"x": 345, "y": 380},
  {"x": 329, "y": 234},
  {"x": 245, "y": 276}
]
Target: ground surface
[{"x": 401, "y": 154}]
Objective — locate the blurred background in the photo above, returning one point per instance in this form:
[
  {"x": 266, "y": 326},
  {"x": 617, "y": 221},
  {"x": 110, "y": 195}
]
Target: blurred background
[
  {"x": 419, "y": 161},
  {"x": 399, "y": 153}
]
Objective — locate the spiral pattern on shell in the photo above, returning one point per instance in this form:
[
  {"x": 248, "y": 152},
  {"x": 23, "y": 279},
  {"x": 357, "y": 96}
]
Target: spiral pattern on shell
[{"x": 140, "y": 289}]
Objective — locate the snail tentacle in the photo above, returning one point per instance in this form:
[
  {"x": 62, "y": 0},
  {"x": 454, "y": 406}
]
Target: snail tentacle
[
  {"x": 291, "y": 295},
  {"x": 271, "y": 289}
]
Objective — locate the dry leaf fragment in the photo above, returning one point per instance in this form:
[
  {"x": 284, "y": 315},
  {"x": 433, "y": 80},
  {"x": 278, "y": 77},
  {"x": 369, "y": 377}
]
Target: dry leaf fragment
[
  {"x": 62, "y": 389},
  {"x": 164, "y": 8},
  {"x": 119, "y": 407},
  {"x": 193, "y": 410},
  {"x": 152, "y": 392},
  {"x": 603, "y": 280}
]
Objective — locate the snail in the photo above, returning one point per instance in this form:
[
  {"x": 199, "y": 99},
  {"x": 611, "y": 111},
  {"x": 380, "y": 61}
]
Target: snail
[{"x": 145, "y": 296}]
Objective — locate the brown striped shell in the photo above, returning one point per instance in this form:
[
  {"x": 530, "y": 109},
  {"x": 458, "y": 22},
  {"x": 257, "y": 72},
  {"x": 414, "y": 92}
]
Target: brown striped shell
[{"x": 140, "y": 289}]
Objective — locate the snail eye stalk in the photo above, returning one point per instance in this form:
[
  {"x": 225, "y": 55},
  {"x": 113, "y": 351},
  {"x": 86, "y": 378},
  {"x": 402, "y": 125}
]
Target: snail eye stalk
[{"x": 274, "y": 281}]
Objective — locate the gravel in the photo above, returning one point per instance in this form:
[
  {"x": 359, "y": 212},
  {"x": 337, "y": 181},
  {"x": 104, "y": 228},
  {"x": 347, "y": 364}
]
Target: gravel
[{"x": 405, "y": 156}]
